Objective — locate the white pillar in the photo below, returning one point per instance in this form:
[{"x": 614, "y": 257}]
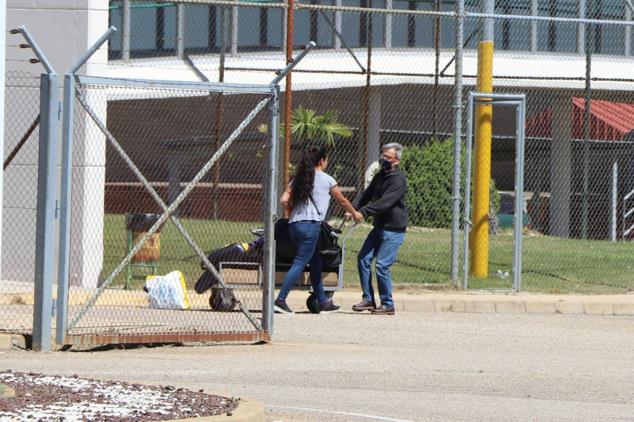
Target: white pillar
[
  {"x": 534, "y": 12},
  {"x": 336, "y": 39},
  {"x": 374, "y": 133},
  {"x": 628, "y": 32},
  {"x": 63, "y": 30},
  {"x": 560, "y": 166},
  {"x": 180, "y": 30},
  {"x": 388, "y": 25},
  {"x": 234, "y": 30},
  {"x": 581, "y": 29}
]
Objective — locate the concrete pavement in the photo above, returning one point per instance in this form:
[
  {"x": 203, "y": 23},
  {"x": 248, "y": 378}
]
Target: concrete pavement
[{"x": 414, "y": 366}]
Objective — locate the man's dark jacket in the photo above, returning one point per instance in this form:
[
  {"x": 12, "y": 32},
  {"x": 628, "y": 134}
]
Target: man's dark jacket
[{"x": 384, "y": 199}]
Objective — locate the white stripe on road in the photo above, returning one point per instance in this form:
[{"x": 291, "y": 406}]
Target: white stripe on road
[{"x": 361, "y": 415}]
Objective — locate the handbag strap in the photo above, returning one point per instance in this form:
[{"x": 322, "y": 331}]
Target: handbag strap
[{"x": 310, "y": 196}]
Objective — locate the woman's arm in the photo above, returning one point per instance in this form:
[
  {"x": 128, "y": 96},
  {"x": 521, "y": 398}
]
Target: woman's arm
[
  {"x": 285, "y": 200},
  {"x": 335, "y": 192}
]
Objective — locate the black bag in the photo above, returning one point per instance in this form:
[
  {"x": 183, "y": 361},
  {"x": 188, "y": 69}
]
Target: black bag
[
  {"x": 234, "y": 252},
  {"x": 328, "y": 246},
  {"x": 284, "y": 246}
]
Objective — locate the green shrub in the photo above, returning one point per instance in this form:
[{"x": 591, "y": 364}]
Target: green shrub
[{"x": 429, "y": 171}]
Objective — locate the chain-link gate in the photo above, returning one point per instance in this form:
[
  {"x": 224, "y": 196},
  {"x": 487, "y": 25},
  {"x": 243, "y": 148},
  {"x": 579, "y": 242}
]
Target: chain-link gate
[
  {"x": 505, "y": 251},
  {"x": 201, "y": 188}
]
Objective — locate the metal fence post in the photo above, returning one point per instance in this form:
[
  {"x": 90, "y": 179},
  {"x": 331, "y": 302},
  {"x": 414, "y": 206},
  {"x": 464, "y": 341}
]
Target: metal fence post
[
  {"x": 520, "y": 112},
  {"x": 615, "y": 193},
  {"x": 65, "y": 196},
  {"x": 457, "y": 106},
  {"x": 269, "y": 280},
  {"x": 45, "y": 244},
  {"x": 63, "y": 266},
  {"x": 467, "y": 193}
]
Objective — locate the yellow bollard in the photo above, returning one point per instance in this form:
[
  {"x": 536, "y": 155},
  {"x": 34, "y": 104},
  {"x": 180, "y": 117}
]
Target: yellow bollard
[{"x": 479, "y": 244}]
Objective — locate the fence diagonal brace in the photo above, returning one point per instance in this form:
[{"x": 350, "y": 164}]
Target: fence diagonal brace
[
  {"x": 168, "y": 210},
  {"x": 20, "y": 144}
]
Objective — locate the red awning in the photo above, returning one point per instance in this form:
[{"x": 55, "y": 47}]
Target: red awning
[{"x": 609, "y": 121}]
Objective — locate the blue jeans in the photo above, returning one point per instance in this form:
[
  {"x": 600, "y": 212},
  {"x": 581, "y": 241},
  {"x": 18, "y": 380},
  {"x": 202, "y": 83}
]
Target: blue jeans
[
  {"x": 382, "y": 245},
  {"x": 305, "y": 236}
]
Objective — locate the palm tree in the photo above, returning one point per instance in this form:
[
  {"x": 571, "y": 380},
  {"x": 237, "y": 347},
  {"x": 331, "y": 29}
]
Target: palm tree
[{"x": 307, "y": 124}]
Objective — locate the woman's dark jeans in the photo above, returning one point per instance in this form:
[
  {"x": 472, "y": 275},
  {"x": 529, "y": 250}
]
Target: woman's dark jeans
[{"x": 305, "y": 235}]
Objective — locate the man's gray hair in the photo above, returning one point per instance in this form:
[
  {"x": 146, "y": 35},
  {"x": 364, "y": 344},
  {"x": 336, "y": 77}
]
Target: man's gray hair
[{"x": 398, "y": 148}]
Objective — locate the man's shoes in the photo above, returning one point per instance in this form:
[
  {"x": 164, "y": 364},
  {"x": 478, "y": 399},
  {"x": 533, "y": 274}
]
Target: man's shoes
[
  {"x": 328, "y": 307},
  {"x": 364, "y": 305},
  {"x": 281, "y": 307},
  {"x": 383, "y": 310}
]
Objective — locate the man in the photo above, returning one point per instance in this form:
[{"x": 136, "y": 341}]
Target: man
[{"x": 384, "y": 200}]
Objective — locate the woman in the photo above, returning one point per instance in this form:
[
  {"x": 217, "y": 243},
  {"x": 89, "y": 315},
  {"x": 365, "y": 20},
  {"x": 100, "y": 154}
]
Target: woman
[{"x": 307, "y": 199}]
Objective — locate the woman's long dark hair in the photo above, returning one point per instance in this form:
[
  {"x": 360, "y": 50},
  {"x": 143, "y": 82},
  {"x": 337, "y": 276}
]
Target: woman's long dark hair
[{"x": 304, "y": 180}]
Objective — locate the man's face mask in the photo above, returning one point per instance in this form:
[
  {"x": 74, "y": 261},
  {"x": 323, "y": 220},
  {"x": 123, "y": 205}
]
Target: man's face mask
[{"x": 388, "y": 160}]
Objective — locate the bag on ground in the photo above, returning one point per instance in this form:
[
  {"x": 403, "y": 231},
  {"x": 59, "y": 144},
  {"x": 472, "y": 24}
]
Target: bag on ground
[{"x": 167, "y": 291}]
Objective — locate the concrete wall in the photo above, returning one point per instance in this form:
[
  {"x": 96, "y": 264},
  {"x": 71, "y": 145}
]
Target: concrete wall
[{"x": 63, "y": 29}]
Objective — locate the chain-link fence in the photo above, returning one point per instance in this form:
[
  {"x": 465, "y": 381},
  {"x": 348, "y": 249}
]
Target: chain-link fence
[
  {"x": 174, "y": 173},
  {"x": 577, "y": 159},
  {"x": 387, "y": 69},
  {"x": 22, "y": 91},
  {"x": 384, "y": 69}
]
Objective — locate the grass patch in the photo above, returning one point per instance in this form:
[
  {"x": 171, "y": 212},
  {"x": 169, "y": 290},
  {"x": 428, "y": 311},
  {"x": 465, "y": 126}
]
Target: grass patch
[{"x": 550, "y": 264}]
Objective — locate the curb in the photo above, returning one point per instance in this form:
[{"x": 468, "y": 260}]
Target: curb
[
  {"x": 492, "y": 303},
  {"x": 6, "y": 392},
  {"x": 247, "y": 411},
  {"x": 423, "y": 301},
  {"x": 11, "y": 341}
]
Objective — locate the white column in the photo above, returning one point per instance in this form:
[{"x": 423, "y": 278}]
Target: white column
[
  {"x": 126, "y": 16},
  {"x": 581, "y": 29},
  {"x": 628, "y": 32},
  {"x": 560, "y": 166},
  {"x": 374, "y": 132},
  {"x": 284, "y": 23},
  {"x": 180, "y": 30},
  {"x": 234, "y": 30},
  {"x": 388, "y": 26},
  {"x": 63, "y": 30},
  {"x": 534, "y": 12},
  {"x": 336, "y": 39}
]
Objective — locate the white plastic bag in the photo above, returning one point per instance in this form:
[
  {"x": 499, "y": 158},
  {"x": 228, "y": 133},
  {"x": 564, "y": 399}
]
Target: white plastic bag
[{"x": 167, "y": 291}]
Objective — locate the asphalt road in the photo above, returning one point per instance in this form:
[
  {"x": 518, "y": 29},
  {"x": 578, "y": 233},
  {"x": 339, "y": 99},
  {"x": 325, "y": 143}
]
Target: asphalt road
[{"x": 410, "y": 367}]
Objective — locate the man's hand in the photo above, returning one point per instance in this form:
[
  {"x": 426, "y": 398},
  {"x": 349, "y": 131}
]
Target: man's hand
[{"x": 357, "y": 216}]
